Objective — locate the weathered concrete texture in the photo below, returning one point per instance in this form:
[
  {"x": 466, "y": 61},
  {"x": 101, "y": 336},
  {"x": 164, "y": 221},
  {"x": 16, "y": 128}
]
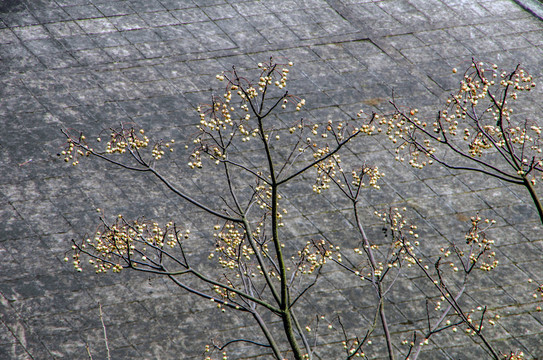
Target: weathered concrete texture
[{"x": 90, "y": 64}]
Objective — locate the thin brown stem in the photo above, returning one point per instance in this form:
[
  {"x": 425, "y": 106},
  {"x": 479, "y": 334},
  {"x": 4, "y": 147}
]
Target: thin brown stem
[
  {"x": 535, "y": 198},
  {"x": 268, "y": 335},
  {"x": 105, "y": 332},
  {"x": 376, "y": 281},
  {"x": 286, "y": 314}
]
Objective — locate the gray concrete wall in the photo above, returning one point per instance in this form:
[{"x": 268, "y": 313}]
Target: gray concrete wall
[{"x": 91, "y": 64}]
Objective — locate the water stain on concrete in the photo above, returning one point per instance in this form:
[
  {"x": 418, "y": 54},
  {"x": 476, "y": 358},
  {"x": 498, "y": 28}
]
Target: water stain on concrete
[{"x": 7, "y": 6}]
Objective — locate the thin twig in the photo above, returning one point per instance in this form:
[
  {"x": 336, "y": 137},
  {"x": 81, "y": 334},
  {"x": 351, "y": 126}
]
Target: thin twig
[{"x": 105, "y": 332}]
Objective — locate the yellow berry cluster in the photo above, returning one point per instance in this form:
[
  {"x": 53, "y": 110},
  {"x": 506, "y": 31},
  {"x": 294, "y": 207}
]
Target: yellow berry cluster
[
  {"x": 373, "y": 174},
  {"x": 329, "y": 170},
  {"x": 538, "y": 293},
  {"x": 404, "y": 239},
  {"x": 231, "y": 246},
  {"x": 400, "y": 129},
  {"x": 353, "y": 348},
  {"x": 121, "y": 141},
  {"x": 263, "y": 196},
  {"x": 225, "y": 295},
  {"x": 326, "y": 170},
  {"x": 476, "y": 237},
  {"x": 75, "y": 149},
  {"x": 126, "y": 244},
  {"x": 314, "y": 255},
  {"x": 223, "y": 355},
  {"x": 161, "y": 147},
  {"x": 229, "y": 116},
  {"x": 476, "y": 120},
  {"x": 518, "y": 355}
]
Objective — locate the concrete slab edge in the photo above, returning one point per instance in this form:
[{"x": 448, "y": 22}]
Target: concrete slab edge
[{"x": 535, "y": 7}]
